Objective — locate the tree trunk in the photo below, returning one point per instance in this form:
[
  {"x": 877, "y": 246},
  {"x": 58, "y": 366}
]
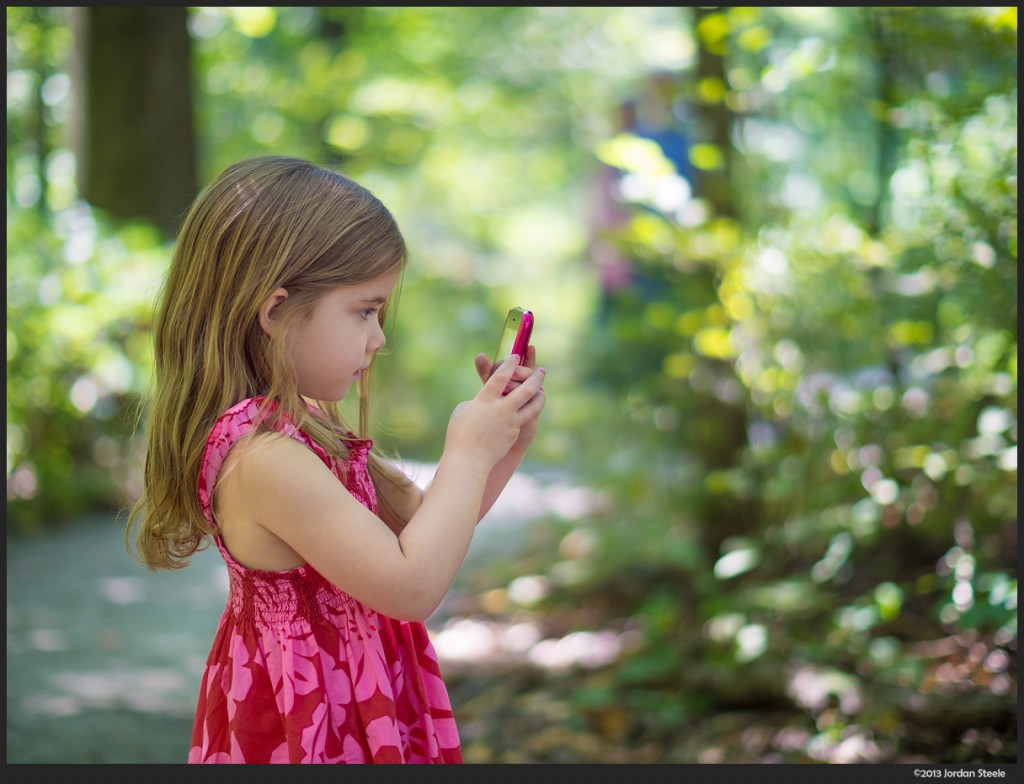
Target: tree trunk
[
  {"x": 724, "y": 421},
  {"x": 132, "y": 125},
  {"x": 715, "y": 124}
]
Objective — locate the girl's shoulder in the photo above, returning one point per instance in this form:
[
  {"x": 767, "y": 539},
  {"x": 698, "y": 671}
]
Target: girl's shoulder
[{"x": 242, "y": 421}]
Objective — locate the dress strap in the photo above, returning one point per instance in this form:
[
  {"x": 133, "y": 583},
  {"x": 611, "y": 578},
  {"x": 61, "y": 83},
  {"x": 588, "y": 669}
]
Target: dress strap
[
  {"x": 232, "y": 425},
  {"x": 246, "y": 415}
]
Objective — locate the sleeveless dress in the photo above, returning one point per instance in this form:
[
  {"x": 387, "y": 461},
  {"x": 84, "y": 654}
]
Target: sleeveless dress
[{"x": 300, "y": 671}]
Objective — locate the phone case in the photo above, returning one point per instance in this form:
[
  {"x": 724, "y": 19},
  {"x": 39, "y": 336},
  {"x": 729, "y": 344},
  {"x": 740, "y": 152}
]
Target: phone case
[
  {"x": 523, "y": 334},
  {"x": 515, "y": 335}
]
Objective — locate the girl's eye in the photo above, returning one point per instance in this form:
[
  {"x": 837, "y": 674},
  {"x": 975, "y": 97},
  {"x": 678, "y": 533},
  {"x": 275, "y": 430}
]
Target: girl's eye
[{"x": 369, "y": 312}]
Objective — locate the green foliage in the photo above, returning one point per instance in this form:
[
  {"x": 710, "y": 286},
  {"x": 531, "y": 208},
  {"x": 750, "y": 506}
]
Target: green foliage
[
  {"x": 468, "y": 144},
  {"x": 78, "y": 358},
  {"x": 869, "y": 347}
]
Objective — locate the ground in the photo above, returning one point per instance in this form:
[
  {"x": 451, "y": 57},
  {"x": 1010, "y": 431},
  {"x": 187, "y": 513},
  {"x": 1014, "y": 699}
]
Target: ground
[{"x": 104, "y": 659}]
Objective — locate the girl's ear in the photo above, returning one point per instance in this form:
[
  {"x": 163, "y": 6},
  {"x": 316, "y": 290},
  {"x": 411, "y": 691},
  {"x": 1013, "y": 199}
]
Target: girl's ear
[{"x": 268, "y": 308}]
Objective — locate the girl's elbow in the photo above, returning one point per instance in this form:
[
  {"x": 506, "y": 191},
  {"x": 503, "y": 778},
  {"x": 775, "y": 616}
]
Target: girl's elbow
[
  {"x": 412, "y": 606},
  {"x": 412, "y": 616},
  {"x": 418, "y": 611}
]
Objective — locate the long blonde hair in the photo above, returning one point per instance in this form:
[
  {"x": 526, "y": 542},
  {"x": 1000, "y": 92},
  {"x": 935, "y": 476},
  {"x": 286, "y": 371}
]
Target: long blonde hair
[{"x": 264, "y": 223}]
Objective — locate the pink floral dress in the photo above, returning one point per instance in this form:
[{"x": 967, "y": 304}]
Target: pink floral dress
[{"x": 300, "y": 671}]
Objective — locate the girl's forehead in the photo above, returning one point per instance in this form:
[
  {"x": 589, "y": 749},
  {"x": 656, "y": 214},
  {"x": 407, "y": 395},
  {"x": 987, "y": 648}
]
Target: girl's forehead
[
  {"x": 385, "y": 283},
  {"x": 374, "y": 289}
]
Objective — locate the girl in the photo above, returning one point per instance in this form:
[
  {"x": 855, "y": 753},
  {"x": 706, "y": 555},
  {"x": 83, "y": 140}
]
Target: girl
[{"x": 272, "y": 310}]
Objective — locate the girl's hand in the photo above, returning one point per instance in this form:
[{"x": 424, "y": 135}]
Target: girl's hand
[
  {"x": 485, "y": 370},
  {"x": 492, "y": 423}
]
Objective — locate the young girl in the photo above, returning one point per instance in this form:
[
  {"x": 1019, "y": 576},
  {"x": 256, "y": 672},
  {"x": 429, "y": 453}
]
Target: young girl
[{"x": 272, "y": 310}]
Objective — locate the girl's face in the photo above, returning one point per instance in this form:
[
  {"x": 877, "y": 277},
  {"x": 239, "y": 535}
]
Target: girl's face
[{"x": 336, "y": 343}]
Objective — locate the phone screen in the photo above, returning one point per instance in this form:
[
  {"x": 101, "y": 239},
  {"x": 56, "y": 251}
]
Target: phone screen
[{"x": 515, "y": 335}]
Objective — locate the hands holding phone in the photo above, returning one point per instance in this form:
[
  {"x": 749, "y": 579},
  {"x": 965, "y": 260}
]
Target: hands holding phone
[
  {"x": 529, "y": 403},
  {"x": 497, "y": 424},
  {"x": 516, "y": 333},
  {"x": 515, "y": 339},
  {"x": 494, "y": 430},
  {"x": 485, "y": 368}
]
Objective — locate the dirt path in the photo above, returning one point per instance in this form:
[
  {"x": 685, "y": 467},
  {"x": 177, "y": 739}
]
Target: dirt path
[{"x": 104, "y": 657}]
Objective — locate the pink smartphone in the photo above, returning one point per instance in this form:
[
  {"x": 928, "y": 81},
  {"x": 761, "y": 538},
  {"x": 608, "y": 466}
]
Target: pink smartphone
[{"x": 515, "y": 335}]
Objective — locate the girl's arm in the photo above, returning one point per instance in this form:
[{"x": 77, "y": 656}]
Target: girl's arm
[
  {"x": 500, "y": 475},
  {"x": 506, "y": 467},
  {"x": 406, "y": 500},
  {"x": 281, "y": 487},
  {"x": 398, "y": 496}
]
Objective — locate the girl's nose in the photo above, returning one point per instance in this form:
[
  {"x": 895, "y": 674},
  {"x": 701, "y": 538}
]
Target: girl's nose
[{"x": 380, "y": 339}]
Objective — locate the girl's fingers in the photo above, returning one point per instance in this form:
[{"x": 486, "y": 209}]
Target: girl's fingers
[
  {"x": 502, "y": 374},
  {"x": 522, "y": 373},
  {"x": 530, "y": 360},
  {"x": 484, "y": 368},
  {"x": 527, "y": 390}
]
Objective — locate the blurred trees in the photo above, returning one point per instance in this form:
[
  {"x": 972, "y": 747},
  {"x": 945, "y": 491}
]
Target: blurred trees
[
  {"x": 802, "y": 409},
  {"x": 472, "y": 147},
  {"x": 865, "y": 302},
  {"x": 131, "y": 123}
]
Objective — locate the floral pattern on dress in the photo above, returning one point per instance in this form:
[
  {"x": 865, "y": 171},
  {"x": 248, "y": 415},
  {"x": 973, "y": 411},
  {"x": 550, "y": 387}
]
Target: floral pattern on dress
[{"x": 301, "y": 672}]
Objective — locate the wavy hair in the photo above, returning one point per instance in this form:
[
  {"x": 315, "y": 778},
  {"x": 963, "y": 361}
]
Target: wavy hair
[{"x": 264, "y": 223}]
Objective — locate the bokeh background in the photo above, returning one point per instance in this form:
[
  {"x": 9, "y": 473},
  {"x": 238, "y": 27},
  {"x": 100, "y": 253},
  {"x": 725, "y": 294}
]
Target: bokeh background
[{"x": 772, "y": 253}]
